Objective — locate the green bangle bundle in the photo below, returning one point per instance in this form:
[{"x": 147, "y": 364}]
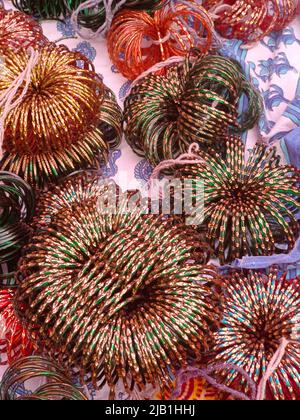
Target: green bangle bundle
[
  {"x": 250, "y": 208},
  {"x": 57, "y": 385},
  {"x": 118, "y": 295},
  {"x": 91, "y": 18},
  {"x": 17, "y": 206},
  {"x": 196, "y": 101},
  {"x": 42, "y": 9}
]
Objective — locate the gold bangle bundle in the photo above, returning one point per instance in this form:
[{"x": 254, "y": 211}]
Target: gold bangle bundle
[{"x": 66, "y": 121}]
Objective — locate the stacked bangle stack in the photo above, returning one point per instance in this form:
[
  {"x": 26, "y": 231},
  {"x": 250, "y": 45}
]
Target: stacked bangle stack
[
  {"x": 61, "y": 123},
  {"x": 194, "y": 102}
]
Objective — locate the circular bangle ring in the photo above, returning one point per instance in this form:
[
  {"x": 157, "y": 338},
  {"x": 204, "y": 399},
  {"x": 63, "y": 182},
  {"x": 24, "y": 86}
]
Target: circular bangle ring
[
  {"x": 138, "y": 40},
  {"x": 197, "y": 101},
  {"x": 67, "y": 120},
  {"x": 58, "y": 385}
]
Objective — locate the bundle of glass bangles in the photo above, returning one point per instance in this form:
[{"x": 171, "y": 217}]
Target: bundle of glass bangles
[{"x": 123, "y": 296}]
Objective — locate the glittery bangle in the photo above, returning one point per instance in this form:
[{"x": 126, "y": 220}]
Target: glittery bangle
[
  {"x": 18, "y": 30},
  {"x": 67, "y": 120},
  {"x": 250, "y": 207},
  {"x": 14, "y": 340},
  {"x": 17, "y": 206},
  {"x": 58, "y": 386},
  {"x": 131, "y": 297},
  {"x": 251, "y": 20},
  {"x": 194, "y": 102},
  {"x": 259, "y": 311},
  {"x": 138, "y": 40},
  {"x": 91, "y": 18}
]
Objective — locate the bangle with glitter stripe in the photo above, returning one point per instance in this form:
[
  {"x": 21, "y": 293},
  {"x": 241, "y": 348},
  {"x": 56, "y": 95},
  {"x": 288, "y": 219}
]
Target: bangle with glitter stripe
[
  {"x": 17, "y": 206},
  {"x": 128, "y": 295},
  {"x": 250, "y": 208},
  {"x": 55, "y": 385},
  {"x": 138, "y": 40},
  {"x": 67, "y": 120},
  {"x": 18, "y": 30},
  {"x": 251, "y": 20},
  {"x": 196, "y": 101}
]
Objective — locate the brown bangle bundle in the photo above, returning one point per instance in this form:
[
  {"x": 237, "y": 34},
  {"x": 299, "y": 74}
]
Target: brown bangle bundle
[
  {"x": 120, "y": 296},
  {"x": 194, "y": 102}
]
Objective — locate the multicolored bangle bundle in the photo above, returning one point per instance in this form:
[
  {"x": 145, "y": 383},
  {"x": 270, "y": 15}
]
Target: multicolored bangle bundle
[
  {"x": 250, "y": 208},
  {"x": 57, "y": 385},
  {"x": 93, "y": 285},
  {"x": 248, "y": 20}
]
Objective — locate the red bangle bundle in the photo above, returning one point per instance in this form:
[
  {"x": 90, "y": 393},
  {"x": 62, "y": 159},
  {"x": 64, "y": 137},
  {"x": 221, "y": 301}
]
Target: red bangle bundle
[
  {"x": 138, "y": 40},
  {"x": 251, "y": 20},
  {"x": 19, "y": 30},
  {"x": 14, "y": 341}
]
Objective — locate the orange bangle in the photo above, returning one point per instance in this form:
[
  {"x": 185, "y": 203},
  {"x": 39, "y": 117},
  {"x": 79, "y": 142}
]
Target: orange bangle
[{"x": 137, "y": 40}]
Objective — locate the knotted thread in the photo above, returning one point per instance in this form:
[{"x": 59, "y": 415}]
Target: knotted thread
[
  {"x": 198, "y": 6},
  {"x": 8, "y": 100},
  {"x": 257, "y": 393},
  {"x": 272, "y": 367},
  {"x": 189, "y": 158},
  {"x": 154, "y": 69},
  {"x": 191, "y": 373},
  {"x": 162, "y": 40}
]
